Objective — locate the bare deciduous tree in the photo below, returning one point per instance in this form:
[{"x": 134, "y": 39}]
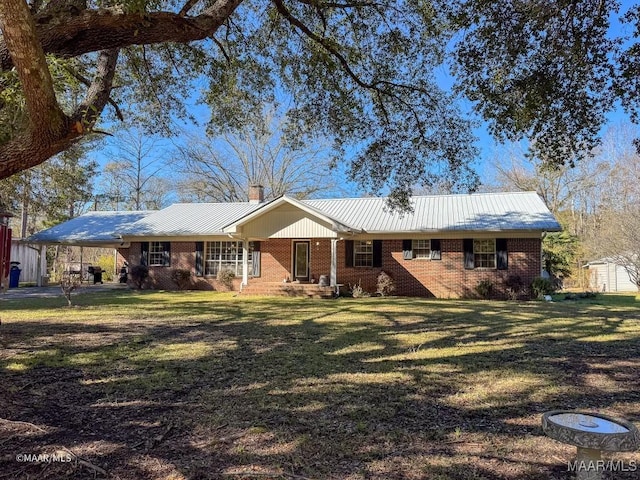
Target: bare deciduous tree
[
  {"x": 222, "y": 169},
  {"x": 133, "y": 179}
]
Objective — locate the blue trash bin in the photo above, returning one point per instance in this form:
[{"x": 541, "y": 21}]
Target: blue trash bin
[{"x": 14, "y": 276}]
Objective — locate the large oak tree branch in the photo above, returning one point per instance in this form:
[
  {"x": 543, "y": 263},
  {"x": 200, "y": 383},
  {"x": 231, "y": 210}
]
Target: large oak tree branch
[
  {"x": 99, "y": 91},
  {"x": 36, "y": 145},
  {"x": 73, "y": 32},
  {"x": 88, "y": 83},
  {"x": 76, "y": 33},
  {"x": 28, "y": 57}
]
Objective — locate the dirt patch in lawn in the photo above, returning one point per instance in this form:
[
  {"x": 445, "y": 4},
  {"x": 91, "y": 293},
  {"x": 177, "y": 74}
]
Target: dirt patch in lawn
[{"x": 204, "y": 385}]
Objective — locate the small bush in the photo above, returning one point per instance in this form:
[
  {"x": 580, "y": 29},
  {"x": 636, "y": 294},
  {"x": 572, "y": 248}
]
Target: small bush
[
  {"x": 105, "y": 262},
  {"x": 69, "y": 282},
  {"x": 225, "y": 277},
  {"x": 484, "y": 288},
  {"x": 541, "y": 287},
  {"x": 181, "y": 277},
  {"x": 514, "y": 287},
  {"x": 138, "y": 275},
  {"x": 357, "y": 291},
  {"x": 386, "y": 285}
]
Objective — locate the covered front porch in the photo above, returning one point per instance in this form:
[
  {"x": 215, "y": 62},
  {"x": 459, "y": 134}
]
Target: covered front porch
[
  {"x": 298, "y": 246},
  {"x": 292, "y": 265}
]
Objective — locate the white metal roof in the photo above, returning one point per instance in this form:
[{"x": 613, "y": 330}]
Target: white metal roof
[
  {"x": 473, "y": 212},
  {"x": 90, "y": 229},
  {"x": 184, "y": 219},
  {"x": 494, "y": 212}
]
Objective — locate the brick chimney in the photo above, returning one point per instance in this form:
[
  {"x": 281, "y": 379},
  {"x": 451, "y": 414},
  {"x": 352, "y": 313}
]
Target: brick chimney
[{"x": 256, "y": 194}]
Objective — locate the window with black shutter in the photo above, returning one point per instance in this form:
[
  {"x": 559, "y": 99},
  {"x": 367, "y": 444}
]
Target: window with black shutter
[
  {"x": 484, "y": 253},
  {"x": 422, "y": 249},
  {"x": 158, "y": 254}
]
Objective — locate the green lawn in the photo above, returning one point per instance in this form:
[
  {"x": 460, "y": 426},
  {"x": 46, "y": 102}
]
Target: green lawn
[{"x": 196, "y": 385}]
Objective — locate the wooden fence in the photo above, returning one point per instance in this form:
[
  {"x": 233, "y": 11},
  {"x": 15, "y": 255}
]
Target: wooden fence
[{"x": 27, "y": 255}]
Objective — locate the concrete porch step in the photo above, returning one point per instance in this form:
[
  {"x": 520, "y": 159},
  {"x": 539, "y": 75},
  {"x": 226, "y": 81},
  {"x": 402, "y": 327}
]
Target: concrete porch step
[{"x": 280, "y": 289}]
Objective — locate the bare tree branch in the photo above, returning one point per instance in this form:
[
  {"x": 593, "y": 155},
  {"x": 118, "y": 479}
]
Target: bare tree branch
[
  {"x": 321, "y": 4},
  {"x": 284, "y": 11},
  {"x": 222, "y": 49}
]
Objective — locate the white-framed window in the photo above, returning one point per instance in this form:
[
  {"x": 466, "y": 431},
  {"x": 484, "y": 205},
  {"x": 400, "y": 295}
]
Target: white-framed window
[
  {"x": 363, "y": 253},
  {"x": 156, "y": 254},
  {"x": 421, "y": 248},
  {"x": 484, "y": 253},
  {"x": 224, "y": 255}
]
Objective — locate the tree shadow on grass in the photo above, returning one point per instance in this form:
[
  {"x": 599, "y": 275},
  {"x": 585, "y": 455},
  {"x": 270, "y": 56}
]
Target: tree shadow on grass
[{"x": 286, "y": 389}]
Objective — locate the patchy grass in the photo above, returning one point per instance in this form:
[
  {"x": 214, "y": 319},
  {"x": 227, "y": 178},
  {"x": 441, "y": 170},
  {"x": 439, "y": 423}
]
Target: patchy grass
[{"x": 195, "y": 385}]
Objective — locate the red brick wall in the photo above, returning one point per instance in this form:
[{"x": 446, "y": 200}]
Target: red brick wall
[
  {"x": 183, "y": 256},
  {"x": 276, "y": 260},
  {"x": 446, "y": 278}
]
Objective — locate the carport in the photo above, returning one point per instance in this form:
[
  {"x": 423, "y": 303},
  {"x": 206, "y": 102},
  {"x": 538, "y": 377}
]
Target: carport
[{"x": 91, "y": 230}]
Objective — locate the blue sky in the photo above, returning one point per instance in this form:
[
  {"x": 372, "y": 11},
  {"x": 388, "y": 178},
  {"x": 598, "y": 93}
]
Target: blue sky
[{"x": 489, "y": 149}]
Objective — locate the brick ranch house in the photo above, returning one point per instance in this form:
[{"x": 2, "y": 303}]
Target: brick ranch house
[{"x": 444, "y": 248}]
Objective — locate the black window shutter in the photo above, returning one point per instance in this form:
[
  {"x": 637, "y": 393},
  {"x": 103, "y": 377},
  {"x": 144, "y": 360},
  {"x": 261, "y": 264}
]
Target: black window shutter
[
  {"x": 255, "y": 260},
  {"x": 166, "y": 254},
  {"x": 144, "y": 253},
  {"x": 467, "y": 246},
  {"x": 407, "y": 251},
  {"x": 502, "y": 256},
  {"x": 348, "y": 253},
  {"x": 377, "y": 253},
  {"x": 436, "y": 251},
  {"x": 199, "y": 259}
]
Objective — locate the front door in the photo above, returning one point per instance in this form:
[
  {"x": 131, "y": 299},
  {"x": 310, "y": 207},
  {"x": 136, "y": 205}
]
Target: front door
[{"x": 301, "y": 261}]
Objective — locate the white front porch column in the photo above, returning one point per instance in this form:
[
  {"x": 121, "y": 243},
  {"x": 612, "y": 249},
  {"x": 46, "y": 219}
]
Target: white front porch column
[
  {"x": 245, "y": 262},
  {"x": 333, "y": 277}
]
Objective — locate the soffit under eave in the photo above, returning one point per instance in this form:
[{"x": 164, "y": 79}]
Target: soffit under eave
[
  {"x": 445, "y": 234},
  {"x": 178, "y": 238}
]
